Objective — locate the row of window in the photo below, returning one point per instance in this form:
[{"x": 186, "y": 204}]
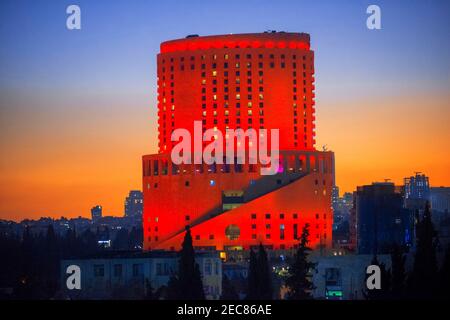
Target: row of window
[
  {"x": 214, "y": 74},
  {"x": 237, "y": 65},
  {"x": 162, "y": 269},
  {"x": 137, "y": 270},
  {"x": 293, "y": 164},
  {"x": 281, "y": 216},
  {"x": 226, "y": 56}
]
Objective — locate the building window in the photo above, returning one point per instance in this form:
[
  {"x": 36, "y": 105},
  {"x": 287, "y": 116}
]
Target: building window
[
  {"x": 117, "y": 270},
  {"x": 208, "y": 267},
  {"x": 267, "y": 215},
  {"x": 99, "y": 270},
  {"x": 159, "y": 269},
  {"x": 282, "y": 231},
  {"x": 138, "y": 269},
  {"x": 253, "y": 215}
]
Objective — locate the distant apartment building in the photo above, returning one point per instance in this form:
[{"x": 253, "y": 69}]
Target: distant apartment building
[
  {"x": 417, "y": 187},
  {"x": 440, "y": 206},
  {"x": 134, "y": 204},
  {"x": 335, "y": 197},
  {"x": 381, "y": 220},
  {"x": 417, "y": 192},
  {"x": 96, "y": 213},
  {"x": 440, "y": 199},
  {"x": 342, "y": 221},
  {"x": 128, "y": 275}
]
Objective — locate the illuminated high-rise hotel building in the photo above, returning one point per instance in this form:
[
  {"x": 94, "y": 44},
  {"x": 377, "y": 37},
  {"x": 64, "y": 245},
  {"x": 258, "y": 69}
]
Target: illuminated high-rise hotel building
[{"x": 259, "y": 81}]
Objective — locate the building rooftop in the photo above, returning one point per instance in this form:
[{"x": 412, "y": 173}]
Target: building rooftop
[
  {"x": 138, "y": 254},
  {"x": 292, "y": 40}
]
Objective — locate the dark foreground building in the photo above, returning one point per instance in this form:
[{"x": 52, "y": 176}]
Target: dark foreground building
[{"x": 381, "y": 219}]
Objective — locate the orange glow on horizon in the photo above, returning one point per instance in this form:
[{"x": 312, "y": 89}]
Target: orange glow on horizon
[{"x": 43, "y": 174}]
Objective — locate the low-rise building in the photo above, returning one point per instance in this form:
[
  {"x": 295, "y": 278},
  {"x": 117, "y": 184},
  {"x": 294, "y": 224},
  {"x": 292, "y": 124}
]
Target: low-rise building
[
  {"x": 343, "y": 277},
  {"x": 128, "y": 275}
]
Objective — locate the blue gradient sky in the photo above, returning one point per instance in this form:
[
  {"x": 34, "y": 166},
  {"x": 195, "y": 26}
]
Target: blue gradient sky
[{"x": 78, "y": 108}]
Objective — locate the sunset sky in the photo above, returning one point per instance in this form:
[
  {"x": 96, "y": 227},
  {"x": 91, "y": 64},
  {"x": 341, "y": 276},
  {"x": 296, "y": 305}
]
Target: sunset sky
[{"x": 78, "y": 108}]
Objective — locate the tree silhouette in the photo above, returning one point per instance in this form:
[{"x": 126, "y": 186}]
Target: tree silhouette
[
  {"x": 299, "y": 282},
  {"x": 422, "y": 281},
  {"x": 252, "y": 277},
  {"x": 264, "y": 275},
  {"x": 187, "y": 285},
  {"x": 398, "y": 272},
  {"x": 259, "y": 276},
  {"x": 51, "y": 262}
]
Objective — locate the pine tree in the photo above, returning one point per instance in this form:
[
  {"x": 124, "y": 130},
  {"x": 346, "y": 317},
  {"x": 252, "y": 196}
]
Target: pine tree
[
  {"x": 51, "y": 262},
  {"x": 264, "y": 275},
  {"x": 398, "y": 272},
  {"x": 228, "y": 291},
  {"x": 26, "y": 284},
  {"x": 252, "y": 277},
  {"x": 423, "y": 277},
  {"x": 299, "y": 281},
  {"x": 187, "y": 285}
]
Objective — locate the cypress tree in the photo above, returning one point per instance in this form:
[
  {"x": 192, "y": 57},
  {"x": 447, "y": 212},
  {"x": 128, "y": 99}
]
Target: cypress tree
[
  {"x": 264, "y": 275},
  {"x": 51, "y": 261},
  {"x": 299, "y": 281},
  {"x": 252, "y": 277},
  {"x": 423, "y": 277},
  {"x": 187, "y": 285},
  {"x": 398, "y": 272}
]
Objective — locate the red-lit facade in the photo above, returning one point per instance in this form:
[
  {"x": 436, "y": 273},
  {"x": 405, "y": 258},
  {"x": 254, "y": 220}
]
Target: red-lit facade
[{"x": 259, "y": 81}]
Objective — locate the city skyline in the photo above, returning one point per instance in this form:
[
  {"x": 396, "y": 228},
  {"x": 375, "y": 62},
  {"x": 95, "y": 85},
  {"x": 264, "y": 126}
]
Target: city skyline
[{"x": 78, "y": 108}]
